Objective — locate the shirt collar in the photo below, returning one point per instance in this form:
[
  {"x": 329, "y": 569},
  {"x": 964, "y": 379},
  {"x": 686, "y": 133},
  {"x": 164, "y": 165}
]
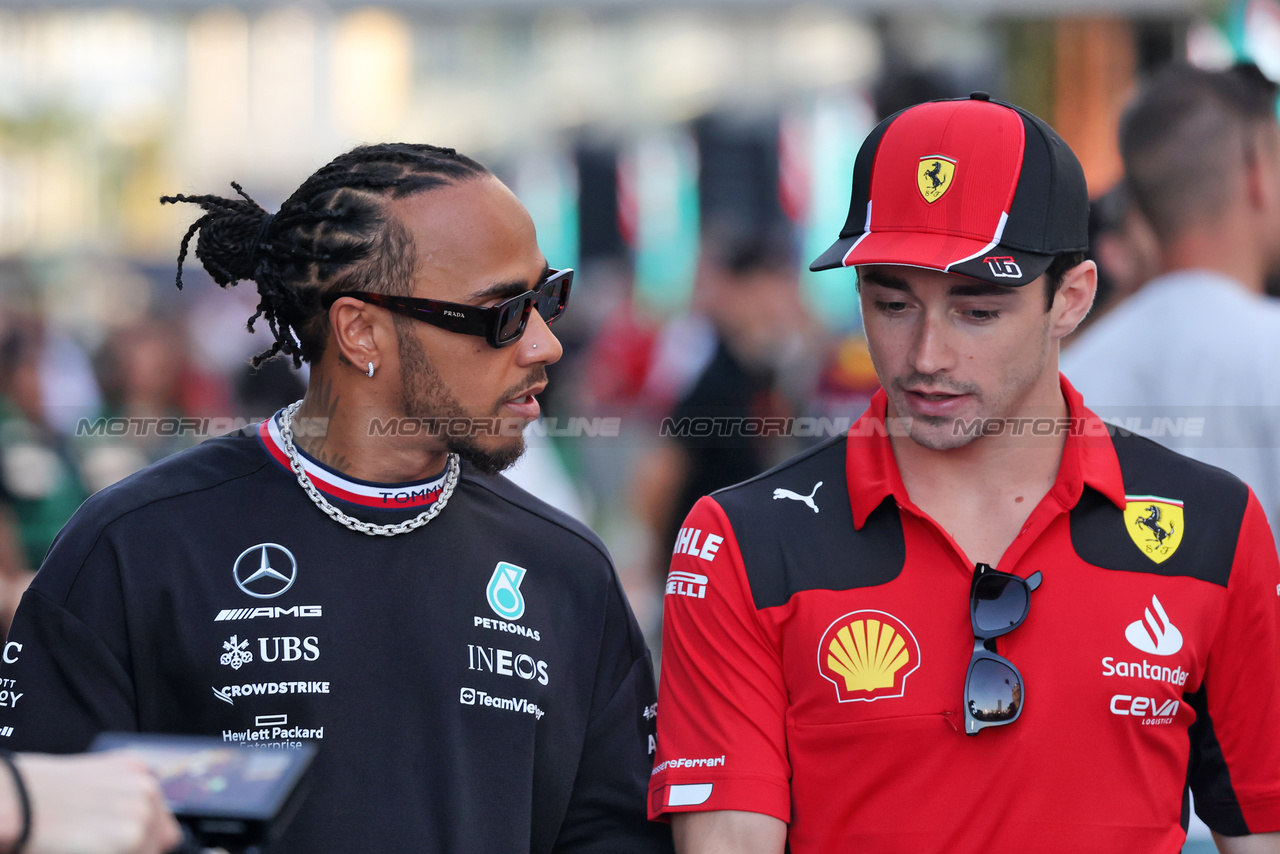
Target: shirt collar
[
  {"x": 1088, "y": 459},
  {"x": 383, "y": 496}
]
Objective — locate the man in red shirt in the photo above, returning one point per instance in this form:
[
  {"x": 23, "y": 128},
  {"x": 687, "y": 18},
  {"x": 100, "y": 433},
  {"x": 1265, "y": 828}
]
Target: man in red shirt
[{"x": 823, "y": 688}]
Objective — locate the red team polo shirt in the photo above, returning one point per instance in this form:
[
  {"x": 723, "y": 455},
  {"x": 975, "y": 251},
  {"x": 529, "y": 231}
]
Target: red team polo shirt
[{"x": 817, "y": 636}]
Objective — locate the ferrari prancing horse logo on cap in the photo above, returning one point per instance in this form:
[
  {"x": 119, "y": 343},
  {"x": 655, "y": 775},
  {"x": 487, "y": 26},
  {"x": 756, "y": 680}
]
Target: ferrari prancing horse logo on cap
[{"x": 934, "y": 176}]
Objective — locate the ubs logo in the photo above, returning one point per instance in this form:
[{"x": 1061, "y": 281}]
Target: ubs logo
[
  {"x": 289, "y": 649},
  {"x": 265, "y": 571}
]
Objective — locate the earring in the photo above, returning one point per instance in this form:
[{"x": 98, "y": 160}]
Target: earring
[{"x": 369, "y": 372}]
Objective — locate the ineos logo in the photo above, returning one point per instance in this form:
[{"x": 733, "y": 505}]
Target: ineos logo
[
  {"x": 265, "y": 571},
  {"x": 504, "y": 662}
]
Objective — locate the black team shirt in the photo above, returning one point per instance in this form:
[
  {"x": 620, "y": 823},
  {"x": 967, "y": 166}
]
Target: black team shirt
[{"x": 476, "y": 685}]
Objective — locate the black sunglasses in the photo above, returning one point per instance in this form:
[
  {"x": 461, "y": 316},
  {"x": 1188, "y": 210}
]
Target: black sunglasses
[
  {"x": 993, "y": 689},
  {"x": 501, "y": 324}
]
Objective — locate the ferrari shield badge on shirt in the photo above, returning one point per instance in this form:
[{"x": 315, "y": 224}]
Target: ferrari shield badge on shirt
[
  {"x": 868, "y": 655},
  {"x": 1154, "y": 524},
  {"x": 503, "y": 592},
  {"x": 933, "y": 177}
]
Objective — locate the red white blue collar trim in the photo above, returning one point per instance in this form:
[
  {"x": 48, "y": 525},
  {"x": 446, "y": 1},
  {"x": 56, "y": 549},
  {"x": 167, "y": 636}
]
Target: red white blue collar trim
[{"x": 383, "y": 496}]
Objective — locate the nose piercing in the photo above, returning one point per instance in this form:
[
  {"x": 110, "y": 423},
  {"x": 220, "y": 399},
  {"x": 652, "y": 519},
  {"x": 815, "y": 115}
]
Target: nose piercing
[{"x": 535, "y": 346}]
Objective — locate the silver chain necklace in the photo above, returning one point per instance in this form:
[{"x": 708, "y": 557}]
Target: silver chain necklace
[{"x": 295, "y": 463}]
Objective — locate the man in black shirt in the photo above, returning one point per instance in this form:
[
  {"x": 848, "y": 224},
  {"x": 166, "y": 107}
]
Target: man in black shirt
[{"x": 353, "y": 572}]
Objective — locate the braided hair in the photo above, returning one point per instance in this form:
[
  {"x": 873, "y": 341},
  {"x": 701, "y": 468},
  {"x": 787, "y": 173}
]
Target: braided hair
[{"x": 332, "y": 234}]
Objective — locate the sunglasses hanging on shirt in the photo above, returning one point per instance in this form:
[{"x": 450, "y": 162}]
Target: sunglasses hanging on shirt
[{"x": 994, "y": 693}]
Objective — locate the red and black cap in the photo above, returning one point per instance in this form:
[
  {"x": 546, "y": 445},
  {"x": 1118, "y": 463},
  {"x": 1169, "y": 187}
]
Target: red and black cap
[{"x": 970, "y": 186}]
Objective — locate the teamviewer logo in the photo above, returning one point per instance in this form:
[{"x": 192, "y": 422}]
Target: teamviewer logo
[{"x": 467, "y": 697}]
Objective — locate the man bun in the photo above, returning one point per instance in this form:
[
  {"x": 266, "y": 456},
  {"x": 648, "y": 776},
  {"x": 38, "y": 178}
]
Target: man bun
[{"x": 231, "y": 233}]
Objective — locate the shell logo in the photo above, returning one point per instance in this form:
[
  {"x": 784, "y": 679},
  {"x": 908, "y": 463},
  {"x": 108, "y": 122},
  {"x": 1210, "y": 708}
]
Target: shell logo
[{"x": 868, "y": 655}]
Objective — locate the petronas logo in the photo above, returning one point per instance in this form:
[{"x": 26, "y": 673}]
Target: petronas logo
[{"x": 503, "y": 592}]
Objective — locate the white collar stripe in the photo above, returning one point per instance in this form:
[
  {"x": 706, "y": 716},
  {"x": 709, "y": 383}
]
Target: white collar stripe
[{"x": 392, "y": 495}]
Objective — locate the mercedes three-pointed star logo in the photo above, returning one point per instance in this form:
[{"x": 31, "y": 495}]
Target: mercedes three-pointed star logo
[{"x": 270, "y": 568}]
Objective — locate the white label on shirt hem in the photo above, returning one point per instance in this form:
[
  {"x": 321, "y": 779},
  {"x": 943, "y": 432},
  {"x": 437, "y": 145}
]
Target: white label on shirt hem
[{"x": 688, "y": 795}]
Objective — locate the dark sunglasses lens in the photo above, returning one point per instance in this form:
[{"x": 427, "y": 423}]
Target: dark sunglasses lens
[
  {"x": 511, "y": 321},
  {"x": 998, "y": 603},
  {"x": 994, "y": 692},
  {"x": 552, "y": 298}
]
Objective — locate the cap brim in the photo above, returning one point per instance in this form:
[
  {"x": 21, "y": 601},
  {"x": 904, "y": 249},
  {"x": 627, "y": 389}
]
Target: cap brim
[
  {"x": 977, "y": 259},
  {"x": 834, "y": 256}
]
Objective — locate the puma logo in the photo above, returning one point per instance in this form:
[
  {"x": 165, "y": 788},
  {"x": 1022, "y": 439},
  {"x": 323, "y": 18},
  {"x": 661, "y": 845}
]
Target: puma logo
[{"x": 807, "y": 499}]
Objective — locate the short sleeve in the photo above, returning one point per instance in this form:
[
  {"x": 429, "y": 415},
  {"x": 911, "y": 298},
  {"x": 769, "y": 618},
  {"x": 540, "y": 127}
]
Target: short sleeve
[
  {"x": 722, "y": 699},
  {"x": 65, "y": 663},
  {"x": 59, "y": 684},
  {"x": 1235, "y": 766},
  {"x": 606, "y": 811}
]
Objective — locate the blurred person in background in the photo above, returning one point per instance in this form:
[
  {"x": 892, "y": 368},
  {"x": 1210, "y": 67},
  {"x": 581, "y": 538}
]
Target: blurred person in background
[
  {"x": 107, "y": 803},
  {"x": 748, "y": 320},
  {"x": 1201, "y": 154},
  {"x": 354, "y": 572},
  {"x": 13, "y": 565},
  {"x": 145, "y": 373},
  {"x": 149, "y": 383},
  {"x": 40, "y": 484},
  {"x": 1123, "y": 246},
  {"x": 619, "y": 357}
]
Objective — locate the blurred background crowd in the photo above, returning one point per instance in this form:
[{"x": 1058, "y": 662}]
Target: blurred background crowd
[{"x": 688, "y": 159}]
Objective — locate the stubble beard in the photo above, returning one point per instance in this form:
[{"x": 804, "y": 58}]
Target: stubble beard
[
  {"x": 938, "y": 433},
  {"x": 423, "y": 395},
  {"x": 934, "y": 432},
  {"x": 945, "y": 433}
]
